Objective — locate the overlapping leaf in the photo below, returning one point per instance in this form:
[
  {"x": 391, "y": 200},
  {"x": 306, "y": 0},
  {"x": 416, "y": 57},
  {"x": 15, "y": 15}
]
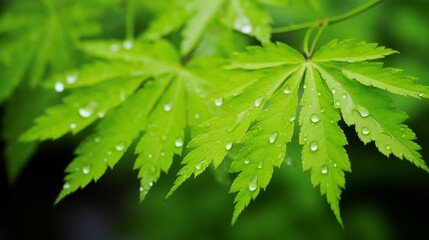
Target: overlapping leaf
[
  {"x": 196, "y": 16},
  {"x": 138, "y": 88},
  {"x": 259, "y": 113}
]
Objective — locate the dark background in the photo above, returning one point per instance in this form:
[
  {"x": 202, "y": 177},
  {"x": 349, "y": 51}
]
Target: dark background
[{"x": 385, "y": 198}]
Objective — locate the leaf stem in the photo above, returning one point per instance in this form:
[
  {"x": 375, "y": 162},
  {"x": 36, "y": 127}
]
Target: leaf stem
[{"x": 327, "y": 21}]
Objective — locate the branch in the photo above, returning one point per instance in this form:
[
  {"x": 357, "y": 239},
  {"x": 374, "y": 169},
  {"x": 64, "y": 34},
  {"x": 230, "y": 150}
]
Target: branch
[{"x": 329, "y": 20}]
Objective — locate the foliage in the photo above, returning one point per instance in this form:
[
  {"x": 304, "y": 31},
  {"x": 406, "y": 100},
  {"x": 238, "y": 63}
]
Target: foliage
[{"x": 164, "y": 90}]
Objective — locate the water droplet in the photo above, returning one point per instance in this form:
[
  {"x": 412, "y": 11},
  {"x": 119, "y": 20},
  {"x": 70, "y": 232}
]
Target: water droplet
[
  {"x": 122, "y": 95},
  {"x": 363, "y": 111},
  {"x": 337, "y": 103},
  {"x": 167, "y": 107},
  {"x": 319, "y": 93},
  {"x": 162, "y": 154},
  {"x": 305, "y": 86},
  {"x": 365, "y": 131},
  {"x": 243, "y": 25},
  {"x": 258, "y": 102},
  {"x": 128, "y": 45},
  {"x": 120, "y": 147},
  {"x": 70, "y": 79},
  {"x": 150, "y": 184},
  {"x": 66, "y": 186},
  {"x": 114, "y": 47},
  {"x": 388, "y": 147},
  {"x": 335, "y": 165},
  {"x": 253, "y": 184},
  {"x": 197, "y": 116},
  {"x": 324, "y": 169},
  {"x": 86, "y": 169},
  {"x": 421, "y": 94},
  {"x": 85, "y": 112},
  {"x": 73, "y": 125},
  {"x": 141, "y": 189},
  {"x": 59, "y": 86},
  {"x": 333, "y": 91},
  {"x": 292, "y": 118},
  {"x": 109, "y": 153},
  {"x": 344, "y": 96},
  {"x": 178, "y": 142},
  {"x": 228, "y": 146},
  {"x": 218, "y": 101},
  {"x": 288, "y": 161},
  {"x": 315, "y": 118},
  {"x": 150, "y": 155},
  {"x": 101, "y": 114},
  {"x": 273, "y": 137},
  {"x": 287, "y": 90},
  {"x": 260, "y": 165},
  {"x": 314, "y": 146},
  {"x": 199, "y": 165},
  {"x": 247, "y": 161}
]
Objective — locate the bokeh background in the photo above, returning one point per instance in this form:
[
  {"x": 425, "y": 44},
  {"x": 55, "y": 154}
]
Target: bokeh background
[{"x": 385, "y": 198}]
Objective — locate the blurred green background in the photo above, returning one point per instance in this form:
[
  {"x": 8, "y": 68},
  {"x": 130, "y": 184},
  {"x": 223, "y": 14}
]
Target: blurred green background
[{"x": 385, "y": 198}]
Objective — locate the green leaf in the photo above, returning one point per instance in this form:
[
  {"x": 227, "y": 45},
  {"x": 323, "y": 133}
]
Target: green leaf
[
  {"x": 323, "y": 140},
  {"x": 389, "y": 79},
  {"x": 256, "y": 159},
  {"x": 229, "y": 127},
  {"x": 267, "y": 56},
  {"x": 163, "y": 137},
  {"x": 113, "y": 136},
  {"x": 367, "y": 109},
  {"x": 81, "y": 108},
  {"x": 247, "y": 17},
  {"x": 350, "y": 50}
]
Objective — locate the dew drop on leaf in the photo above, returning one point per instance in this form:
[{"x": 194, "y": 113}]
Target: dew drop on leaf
[
  {"x": 365, "y": 131},
  {"x": 421, "y": 94},
  {"x": 273, "y": 137},
  {"x": 109, "y": 153},
  {"x": 228, "y": 146},
  {"x": 337, "y": 103},
  {"x": 363, "y": 111},
  {"x": 66, "y": 186},
  {"x": 178, "y": 142},
  {"x": 150, "y": 184},
  {"x": 314, "y": 146},
  {"x": 141, "y": 189},
  {"x": 162, "y": 154},
  {"x": 218, "y": 101},
  {"x": 324, "y": 169},
  {"x": 86, "y": 169},
  {"x": 388, "y": 147},
  {"x": 288, "y": 161},
  {"x": 150, "y": 155},
  {"x": 258, "y": 102},
  {"x": 70, "y": 79},
  {"x": 197, "y": 116},
  {"x": 247, "y": 161},
  {"x": 287, "y": 90},
  {"x": 59, "y": 87},
  {"x": 292, "y": 118},
  {"x": 128, "y": 45},
  {"x": 253, "y": 184},
  {"x": 114, "y": 48},
  {"x": 73, "y": 125},
  {"x": 333, "y": 91},
  {"x": 315, "y": 118},
  {"x": 85, "y": 112},
  {"x": 167, "y": 107},
  {"x": 120, "y": 147},
  {"x": 344, "y": 96},
  {"x": 335, "y": 165}
]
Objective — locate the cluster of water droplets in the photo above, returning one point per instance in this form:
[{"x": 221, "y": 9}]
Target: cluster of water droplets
[
  {"x": 87, "y": 111},
  {"x": 70, "y": 79}
]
